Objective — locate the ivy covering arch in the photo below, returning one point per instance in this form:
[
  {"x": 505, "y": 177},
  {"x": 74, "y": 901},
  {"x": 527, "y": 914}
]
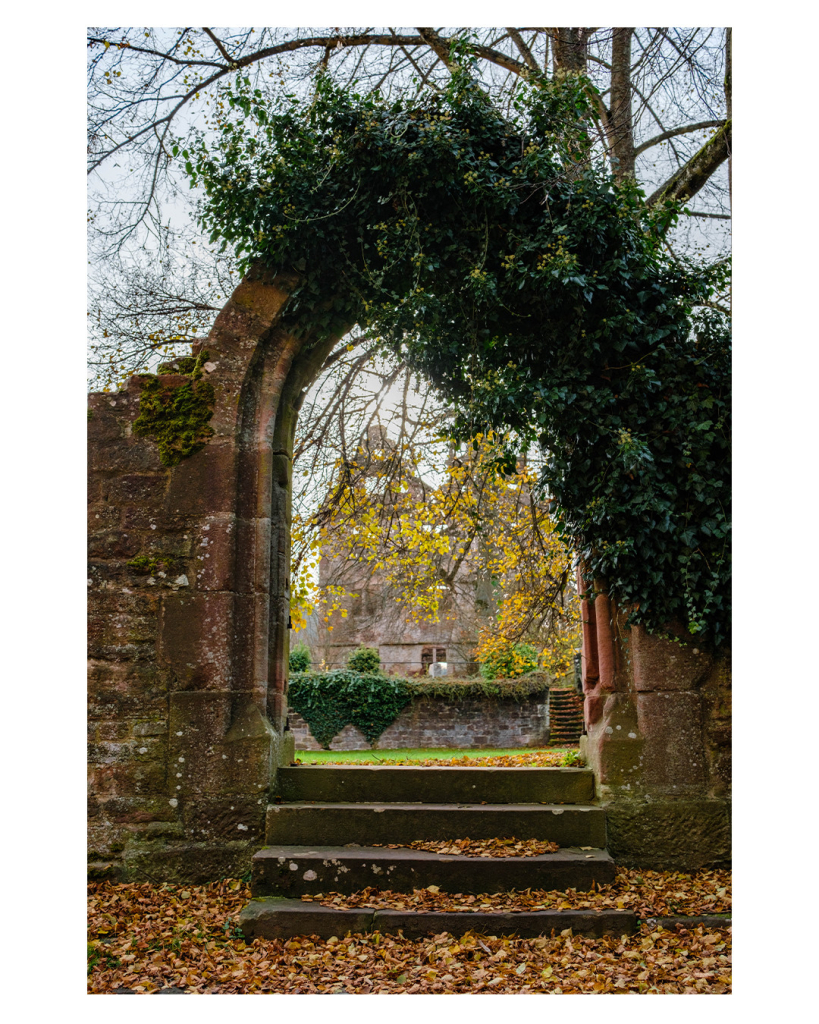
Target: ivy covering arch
[{"x": 496, "y": 254}]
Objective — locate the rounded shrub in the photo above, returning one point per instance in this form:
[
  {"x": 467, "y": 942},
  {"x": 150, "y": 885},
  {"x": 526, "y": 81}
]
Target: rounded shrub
[
  {"x": 364, "y": 659},
  {"x": 300, "y": 659}
]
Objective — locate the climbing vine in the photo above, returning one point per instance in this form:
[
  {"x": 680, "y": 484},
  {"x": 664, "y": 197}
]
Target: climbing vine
[
  {"x": 328, "y": 701},
  {"x": 494, "y": 253},
  {"x": 371, "y": 701}
]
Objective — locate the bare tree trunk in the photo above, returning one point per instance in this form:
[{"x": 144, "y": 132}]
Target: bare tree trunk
[
  {"x": 570, "y": 47},
  {"x": 620, "y": 129},
  {"x": 728, "y": 64}
]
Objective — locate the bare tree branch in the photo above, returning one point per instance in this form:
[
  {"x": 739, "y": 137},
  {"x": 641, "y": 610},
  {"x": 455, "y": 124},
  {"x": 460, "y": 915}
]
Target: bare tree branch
[{"x": 694, "y": 174}]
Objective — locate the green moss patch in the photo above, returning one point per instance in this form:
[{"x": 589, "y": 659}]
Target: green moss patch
[{"x": 177, "y": 416}]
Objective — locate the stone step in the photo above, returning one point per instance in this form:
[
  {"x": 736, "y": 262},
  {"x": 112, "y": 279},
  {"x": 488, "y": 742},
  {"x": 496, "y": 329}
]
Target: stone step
[
  {"x": 275, "y": 917},
  {"x": 304, "y": 870},
  {"x": 406, "y": 784},
  {"x": 334, "y": 824}
]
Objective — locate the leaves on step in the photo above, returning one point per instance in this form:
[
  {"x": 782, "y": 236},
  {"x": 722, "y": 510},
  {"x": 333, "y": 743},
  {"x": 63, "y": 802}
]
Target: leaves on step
[
  {"x": 647, "y": 893},
  {"x": 146, "y": 938},
  {"x": 480, "y": 847}
]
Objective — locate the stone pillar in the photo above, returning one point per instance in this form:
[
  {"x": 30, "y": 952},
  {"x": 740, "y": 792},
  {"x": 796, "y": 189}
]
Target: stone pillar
[
  {"x": 658, "y": 734},
  {"x": 189, "y": 605}
]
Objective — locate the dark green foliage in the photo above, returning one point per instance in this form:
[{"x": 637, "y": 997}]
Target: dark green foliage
[
  {"x": 371, "y": 702},
  {"x": 490, "y": 252},
  {"x": 328, "y": 701},
  {"x": 364, "y": 659},
  {"x": 479, "y": 689},
  {"x": 300, "y": 658}
]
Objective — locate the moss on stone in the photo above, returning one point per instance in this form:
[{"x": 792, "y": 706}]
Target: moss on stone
[
  {"x": 176, "y": 415},
  {"x": 183, "y": 364},
  {"x": 142, "y": 563}
]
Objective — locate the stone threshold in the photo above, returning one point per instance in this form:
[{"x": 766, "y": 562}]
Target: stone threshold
[{"x": 275, "y": 917}]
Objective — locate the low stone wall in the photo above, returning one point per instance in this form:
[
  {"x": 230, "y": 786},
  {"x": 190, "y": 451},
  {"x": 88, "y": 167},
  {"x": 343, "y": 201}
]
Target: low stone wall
[{"x": 436, "y": 722}]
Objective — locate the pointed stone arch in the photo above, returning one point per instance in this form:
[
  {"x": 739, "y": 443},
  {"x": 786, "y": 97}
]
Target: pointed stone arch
[{"x": 189, "y": 603}]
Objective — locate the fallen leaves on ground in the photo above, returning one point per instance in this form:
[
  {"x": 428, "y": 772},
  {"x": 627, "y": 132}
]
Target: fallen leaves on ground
[
  {"x": 529, "y": 759},
  {"x": 146, "y": 937},
  {"x": 479, "y": 847},
  {"x": 646, "y": 893}
]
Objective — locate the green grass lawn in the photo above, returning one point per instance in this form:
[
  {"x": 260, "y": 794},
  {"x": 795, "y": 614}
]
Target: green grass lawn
[{"x": 351, "y": 756}]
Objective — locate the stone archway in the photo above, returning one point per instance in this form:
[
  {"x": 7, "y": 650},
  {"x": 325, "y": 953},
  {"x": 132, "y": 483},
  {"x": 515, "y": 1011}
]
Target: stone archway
[
  {"x": 189, "y": 605},
  {"x": 188, "y": 642}
]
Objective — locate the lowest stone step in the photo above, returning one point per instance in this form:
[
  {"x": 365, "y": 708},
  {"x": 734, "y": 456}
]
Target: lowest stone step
[
  {"x": 336, "y": 824},
  {"x": 438, "y": 785},
  {"x": 298, "y": 870}
]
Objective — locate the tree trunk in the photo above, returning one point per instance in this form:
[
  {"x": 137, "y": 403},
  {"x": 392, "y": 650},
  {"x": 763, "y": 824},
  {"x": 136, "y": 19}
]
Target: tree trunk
[
  {"x": 619, "y": 128},
  {"x": 728, "y": 68}
]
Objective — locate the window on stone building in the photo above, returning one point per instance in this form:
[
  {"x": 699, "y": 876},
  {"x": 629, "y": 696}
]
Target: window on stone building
[{"x": 427, "y": 655}]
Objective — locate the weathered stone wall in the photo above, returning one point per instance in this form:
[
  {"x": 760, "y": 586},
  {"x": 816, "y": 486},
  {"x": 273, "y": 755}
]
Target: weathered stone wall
[
  {"x": 658, "y": 724},
  {"x": 188, "y": 642},
  {"x": 435, "y": 722}
]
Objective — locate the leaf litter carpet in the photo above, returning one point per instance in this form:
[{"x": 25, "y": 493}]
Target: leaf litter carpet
[{"x": 148, "y": 937}]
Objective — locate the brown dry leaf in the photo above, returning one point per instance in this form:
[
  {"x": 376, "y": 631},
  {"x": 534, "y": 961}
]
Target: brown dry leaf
[
  {"x": 530, "y": 758},
  {"x": 481, "y": 847},
  {"x": 146, "y": 938}
]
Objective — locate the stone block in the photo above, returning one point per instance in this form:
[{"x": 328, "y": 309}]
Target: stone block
[
  {"x": 102, "y": 518},
  {"x": 252, "y": 572},
  {"x": 103, "y": 424},
  {"x": 204, "y": 483},
  {"x": 110, "y": 681},
  {"x": 194, "y": 863},
  {"x": 105, "y": 839},
  {"x": 138, "y": 489},
  {"x": 659, "y": 664},
  {"x": 141, "y": 810},
  {"x": 210, "y": 753},
  {"x": 116, "y": 730},
  {"x": 196, "y": 635},
  {"x": 117, "y": 619},
  {"x": 673, "y": 759},
  {"x": 150, "y": 729},
  {"x": 213, "y": 560},
  {"x": 117, "y": 544},
  {"x": 670, "y": 835},
  {"x": 137, "y": 777},
  {"x": 125, "y": 455},
  {"x": 226, "y": 818}
]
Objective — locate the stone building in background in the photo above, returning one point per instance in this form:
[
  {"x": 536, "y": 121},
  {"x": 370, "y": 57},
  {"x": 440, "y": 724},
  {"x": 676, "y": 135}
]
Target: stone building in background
[
  {"x": 407, "y": 648},
  {"x": 375, "y": 618}
]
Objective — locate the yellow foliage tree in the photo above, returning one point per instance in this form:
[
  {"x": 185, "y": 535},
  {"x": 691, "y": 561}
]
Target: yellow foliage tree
[{"x": 475, "y": 532}]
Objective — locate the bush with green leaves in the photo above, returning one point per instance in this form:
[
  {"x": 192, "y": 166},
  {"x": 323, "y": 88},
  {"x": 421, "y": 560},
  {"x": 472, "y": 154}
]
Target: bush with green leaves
[
  {"x": 496, "y": 255},
  {"x": 328, "y": 701},
  {"x": 364, "y": 659},
  {"x": 509, "y": 661},
  {"x": 300, "y": 659}
]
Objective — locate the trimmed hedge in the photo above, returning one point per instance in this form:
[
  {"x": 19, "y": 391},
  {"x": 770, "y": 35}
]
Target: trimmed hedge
[{"x": 371, "y": 701}]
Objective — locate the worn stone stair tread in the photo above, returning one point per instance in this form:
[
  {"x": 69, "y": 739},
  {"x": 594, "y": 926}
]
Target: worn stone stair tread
[
  {"x": 275, "y": 917},
  {"x": 439, "y": 784},
  {"x": 332, "y": 824},
  {"x": 295, "y": 870}
]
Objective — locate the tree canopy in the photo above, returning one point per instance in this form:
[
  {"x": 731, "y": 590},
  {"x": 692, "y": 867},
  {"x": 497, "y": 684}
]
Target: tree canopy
[{"x": 493, "y": 253}]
